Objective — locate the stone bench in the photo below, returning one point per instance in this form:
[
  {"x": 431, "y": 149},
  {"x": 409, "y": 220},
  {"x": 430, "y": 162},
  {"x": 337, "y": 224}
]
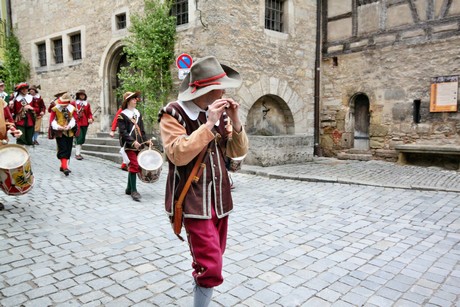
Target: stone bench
[{"x": 445, "y": 150}]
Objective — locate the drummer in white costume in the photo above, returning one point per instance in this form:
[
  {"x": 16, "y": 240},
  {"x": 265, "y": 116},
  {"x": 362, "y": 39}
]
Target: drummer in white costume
[{"x": 132, "y": 138}]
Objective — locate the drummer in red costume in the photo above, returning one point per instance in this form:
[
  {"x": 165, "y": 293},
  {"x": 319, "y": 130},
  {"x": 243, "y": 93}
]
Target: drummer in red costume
[
  {"x": 123, "y": 166},
  {"x": 63, "y": 121},
  {"x": 197, "y": 121},
  {"x": 84, "y": 119},
  {"x": 132, "y": 138},
  {"x": 6, "y": 125},
  {"x": 24, "y": 114}
]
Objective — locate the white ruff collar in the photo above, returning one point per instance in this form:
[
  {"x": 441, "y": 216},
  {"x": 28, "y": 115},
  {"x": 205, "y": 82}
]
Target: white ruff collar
[
  {"x": 130, "y": 113},
  {"x": 82, "y": 102},
  {"x": 69, "y": 107},
  {"x": 27, "y": 97},
  {"x": 192, "y": 110}
]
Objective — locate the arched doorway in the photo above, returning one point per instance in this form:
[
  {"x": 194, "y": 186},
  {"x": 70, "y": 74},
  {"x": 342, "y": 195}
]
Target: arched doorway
[
  {"x": 360, "y": 107},
  {"x": 115, "y": 59},
  {"x": 118, "y": 61},
  {"x": 122, "y": 62}
]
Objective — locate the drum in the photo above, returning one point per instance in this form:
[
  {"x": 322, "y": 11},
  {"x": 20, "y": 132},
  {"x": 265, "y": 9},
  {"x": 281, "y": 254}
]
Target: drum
[
  {"x": 150, "y": 162},
  {"x": 16, "y": 177},
  {"x": 234, "y": 164}
]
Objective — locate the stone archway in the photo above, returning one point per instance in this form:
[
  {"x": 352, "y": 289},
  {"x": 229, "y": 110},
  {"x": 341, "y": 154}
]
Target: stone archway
[
  {"x": 277, "y": 121},
  {"x": 115, "y": 59}
]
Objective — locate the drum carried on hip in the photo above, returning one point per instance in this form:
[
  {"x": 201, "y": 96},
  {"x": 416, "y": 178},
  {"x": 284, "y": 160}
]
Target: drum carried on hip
[
  {"x": 150, "y": 162},
  {"x": 16, "y": 177}
]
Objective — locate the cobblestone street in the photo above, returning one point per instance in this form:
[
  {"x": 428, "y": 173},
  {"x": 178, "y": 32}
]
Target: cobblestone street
[{"x": 80, "y": 241}]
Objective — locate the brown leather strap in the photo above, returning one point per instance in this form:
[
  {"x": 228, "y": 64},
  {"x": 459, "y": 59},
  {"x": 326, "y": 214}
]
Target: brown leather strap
[{"x": 178, "y": 204}]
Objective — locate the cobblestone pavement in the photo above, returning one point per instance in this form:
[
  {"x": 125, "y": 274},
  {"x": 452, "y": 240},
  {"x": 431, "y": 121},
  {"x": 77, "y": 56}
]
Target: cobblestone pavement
[{"x": 79, "y": 241}]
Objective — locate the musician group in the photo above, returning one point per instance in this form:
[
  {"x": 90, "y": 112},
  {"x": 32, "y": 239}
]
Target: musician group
[
  {"x": 23, "y": 112},
  {"x": 201, "y": 131}
]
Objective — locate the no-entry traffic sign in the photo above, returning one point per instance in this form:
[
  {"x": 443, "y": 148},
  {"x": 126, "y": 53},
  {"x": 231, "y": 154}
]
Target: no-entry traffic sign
[{"x": 184, "y": 61}]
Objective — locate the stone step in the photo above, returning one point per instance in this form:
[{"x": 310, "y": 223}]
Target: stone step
[
  {"x": 101, "y": 148},
  {"x": 358, "y": 151},
  {"x": 105, "y": 147},
  {"x": 106, "y": 135},
  {"x": 115, "y": 157},
  {"x": 354, "y": 156},
  {"x": 103, "y": 141}
]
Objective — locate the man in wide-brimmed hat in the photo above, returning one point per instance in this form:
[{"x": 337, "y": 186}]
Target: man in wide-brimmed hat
[
  {"x": 84, "y": 119},
  {"x": 202, "y": 121},
  {"x": 24, "y": 113},
  {"x": 132, "y": 139},
  {"x": 39, "y": 106},
  {"x": 53, "y": 102},
  {"x": 63, "y": 122}
]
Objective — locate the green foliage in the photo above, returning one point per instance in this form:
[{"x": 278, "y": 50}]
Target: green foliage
[
  {"x": 150, "y": 53},
  {"x": 15, "y": 69}
]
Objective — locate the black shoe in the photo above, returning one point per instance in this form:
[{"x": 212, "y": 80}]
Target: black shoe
[
  {"x": 61, "y": 169},
  {"x": 127, "y": 192},
  {"x": 136, "y": 196},
  {"x": 36, "y": 143},
  {"x": 66, "y": 172},
  {"x": 78, "y": 157}
]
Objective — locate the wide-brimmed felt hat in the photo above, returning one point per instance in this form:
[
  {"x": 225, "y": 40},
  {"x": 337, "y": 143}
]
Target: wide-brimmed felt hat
[
  {"x": 59, "y": 94},
  {"x": 127, "y": 96},
  {"x": 64, "y": 99},
  {"x": 34, "y": 87},
  {"x": 21, "y": 86},
  {"x": 2, "y": 83},
  {"x": 205, "y": 75},
  {"x": 81, "y": 92}
]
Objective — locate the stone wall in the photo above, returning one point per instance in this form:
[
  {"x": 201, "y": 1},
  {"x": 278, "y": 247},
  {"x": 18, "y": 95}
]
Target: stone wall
[
  {"x": 392, "y": 63},
  {"x": 278, "y": 150},
  {"x": 57, "y": 19},
  {"x": 271, "y": 63}
]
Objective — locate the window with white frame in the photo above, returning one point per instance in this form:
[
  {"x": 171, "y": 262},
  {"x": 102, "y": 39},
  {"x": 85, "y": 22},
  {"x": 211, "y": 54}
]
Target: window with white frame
[
  {"x": 179, "y": 9},
  {"x": 75, "y": 46},
  {"x": 274, "y": 15},
  {"x": 41, "y": 49},
  {"x": 58, "y": 52},
  {"x": 120, "y": 20}
]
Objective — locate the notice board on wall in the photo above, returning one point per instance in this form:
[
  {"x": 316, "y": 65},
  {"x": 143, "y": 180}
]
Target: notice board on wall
[{"x": 444, "y": 94}]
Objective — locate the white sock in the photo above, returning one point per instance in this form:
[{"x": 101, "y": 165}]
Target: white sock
[
  {"x": 78, "y": 149},
  {"x": 202, "y": 296}
]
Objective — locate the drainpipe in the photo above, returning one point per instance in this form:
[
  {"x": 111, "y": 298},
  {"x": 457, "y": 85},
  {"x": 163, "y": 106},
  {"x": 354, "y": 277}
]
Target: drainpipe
[
  {"x": 317, "y": 148},
  {"x": 8, "y": 18}
]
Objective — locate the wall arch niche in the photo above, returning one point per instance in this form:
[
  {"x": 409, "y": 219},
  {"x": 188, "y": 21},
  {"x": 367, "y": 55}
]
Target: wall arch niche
[{"x": 270, "y": 116}]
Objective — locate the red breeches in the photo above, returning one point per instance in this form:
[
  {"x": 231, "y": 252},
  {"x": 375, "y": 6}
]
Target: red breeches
[
  {"x": 133, "y": 165},
  {"x": 207, "y": 240}
]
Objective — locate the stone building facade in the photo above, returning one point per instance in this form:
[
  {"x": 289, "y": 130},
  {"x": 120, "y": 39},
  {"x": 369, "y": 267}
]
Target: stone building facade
[
  {"x": 277, "y": 65},
  {"x": 379, "y": 61}
]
